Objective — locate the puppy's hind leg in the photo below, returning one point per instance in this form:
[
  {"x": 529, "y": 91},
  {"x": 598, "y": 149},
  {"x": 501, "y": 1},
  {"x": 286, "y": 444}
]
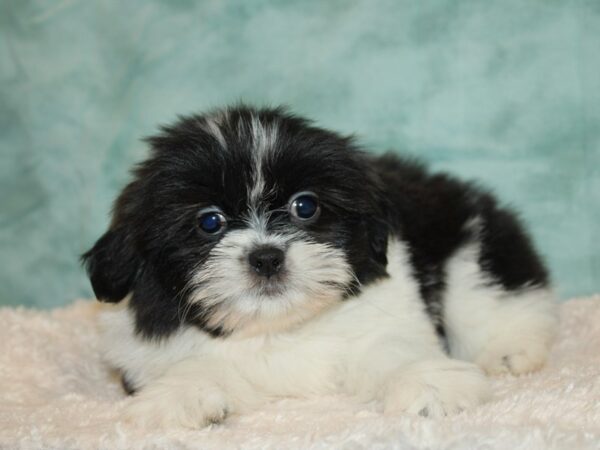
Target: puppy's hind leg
[{"x": 502, "y": 330}]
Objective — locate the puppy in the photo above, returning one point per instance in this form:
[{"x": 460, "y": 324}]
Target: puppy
[{"x": 255, "y": 256}]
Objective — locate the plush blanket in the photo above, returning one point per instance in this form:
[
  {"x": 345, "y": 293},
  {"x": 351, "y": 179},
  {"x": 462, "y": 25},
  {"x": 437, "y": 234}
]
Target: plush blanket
[{"x": 56, "y": 393}]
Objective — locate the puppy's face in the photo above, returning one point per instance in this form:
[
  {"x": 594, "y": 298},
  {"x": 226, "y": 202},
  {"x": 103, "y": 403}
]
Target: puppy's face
[{"x": 241, "y": 221}]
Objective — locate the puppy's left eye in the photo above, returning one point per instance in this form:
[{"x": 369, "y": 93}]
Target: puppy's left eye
[
  {"x": 211, "y": 220},
  {"x": 304, "y": 207}
]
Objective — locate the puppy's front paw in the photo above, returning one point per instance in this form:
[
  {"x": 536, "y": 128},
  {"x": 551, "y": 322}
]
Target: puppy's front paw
[
  {"x": 436, "y": 388},
  {"x": 167, "y": 406}
]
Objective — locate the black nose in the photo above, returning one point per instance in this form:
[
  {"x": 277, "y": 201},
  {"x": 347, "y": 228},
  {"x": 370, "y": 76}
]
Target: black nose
[{"x": 266, "y": 261}]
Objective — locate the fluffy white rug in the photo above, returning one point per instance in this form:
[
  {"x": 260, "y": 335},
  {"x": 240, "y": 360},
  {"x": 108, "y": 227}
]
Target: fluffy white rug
[{"x": 56, "y": 393}]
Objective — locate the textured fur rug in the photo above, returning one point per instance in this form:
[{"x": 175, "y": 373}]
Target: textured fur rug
[{"x": 56, "y": 393}]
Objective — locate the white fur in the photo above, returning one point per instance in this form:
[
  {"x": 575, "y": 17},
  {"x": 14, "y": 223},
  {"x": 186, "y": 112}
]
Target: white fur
[
  {"x": 226, "y": 282},
  {"x": 377, "y": 346},
  {"x": 212, "y": 127},
  {"x": 264, "y": 139},
  {"x": 501, "y": 331}
]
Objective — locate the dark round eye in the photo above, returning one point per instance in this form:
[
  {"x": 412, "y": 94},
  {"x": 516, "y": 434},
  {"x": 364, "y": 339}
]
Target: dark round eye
[
  {"x": 305, "y": 206},
  {"x": 211, "y": 220}
]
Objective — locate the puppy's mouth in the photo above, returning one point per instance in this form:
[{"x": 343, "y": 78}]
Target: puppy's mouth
[{"x": 272, "y": 286}]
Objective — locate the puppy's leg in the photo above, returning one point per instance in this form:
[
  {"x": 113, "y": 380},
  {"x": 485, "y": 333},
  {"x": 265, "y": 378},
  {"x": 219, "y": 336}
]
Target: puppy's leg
[
  {"x": 435, "y": 388},
  {"x": 503, "y": 331},
  {"x": 400, "y": 361},
  {"x": 193, "y": 393},
  {"x": 406, "y": 369},
  {"x": 407, "y": 377}
]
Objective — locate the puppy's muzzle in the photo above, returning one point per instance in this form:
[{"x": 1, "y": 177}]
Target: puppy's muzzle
[{"x": 266, "y": 261}]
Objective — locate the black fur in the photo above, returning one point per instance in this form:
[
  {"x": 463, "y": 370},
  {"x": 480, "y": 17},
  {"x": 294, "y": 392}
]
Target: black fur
[
  {"x": 126, "y": 385},
  {"x": 431, "y": 212},
  {"x": 153, "y": 243}
]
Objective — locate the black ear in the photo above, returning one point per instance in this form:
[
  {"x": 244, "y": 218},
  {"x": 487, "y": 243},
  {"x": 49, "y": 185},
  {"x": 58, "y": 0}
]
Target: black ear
[
  {"x": 112, "y": 265},
  {"x": 377, "y": 222},
  {"x": 378, "y": 231},
  {"x": 156, "y": 303}
]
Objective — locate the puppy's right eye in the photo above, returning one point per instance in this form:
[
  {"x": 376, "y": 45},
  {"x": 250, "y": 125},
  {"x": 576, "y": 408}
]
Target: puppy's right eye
[{"x": 211, "y": 221}]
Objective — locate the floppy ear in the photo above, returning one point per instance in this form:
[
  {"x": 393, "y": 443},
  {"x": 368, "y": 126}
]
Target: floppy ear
[
  {"x": 378, "y": 231},
  {"x": 112, "y": 265},
  {"x": 378, "y": 224}
]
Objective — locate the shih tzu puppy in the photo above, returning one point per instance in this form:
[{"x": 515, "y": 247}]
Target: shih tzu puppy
[{"x": 256, "y": 256}]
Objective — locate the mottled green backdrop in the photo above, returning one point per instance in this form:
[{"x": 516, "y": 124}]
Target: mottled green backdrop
[{"x": 506, "y": 92}]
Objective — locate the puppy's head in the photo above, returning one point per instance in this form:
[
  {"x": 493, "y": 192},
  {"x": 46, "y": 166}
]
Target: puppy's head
[{"x": 241, "y": 220}]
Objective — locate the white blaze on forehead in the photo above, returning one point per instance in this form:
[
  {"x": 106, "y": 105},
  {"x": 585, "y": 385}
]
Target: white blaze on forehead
[
  {"x": 212, "y": 127},
  {"x": 264, "y": 139},
  {"x": 257, "y": 219}
]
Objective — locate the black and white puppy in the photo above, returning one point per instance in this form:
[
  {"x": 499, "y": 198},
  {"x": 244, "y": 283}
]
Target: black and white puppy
[{"x": 256, "y": 256}]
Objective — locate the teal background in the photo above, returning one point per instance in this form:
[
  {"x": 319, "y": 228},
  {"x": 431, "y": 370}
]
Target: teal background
[{"x": 505, "y": 92}]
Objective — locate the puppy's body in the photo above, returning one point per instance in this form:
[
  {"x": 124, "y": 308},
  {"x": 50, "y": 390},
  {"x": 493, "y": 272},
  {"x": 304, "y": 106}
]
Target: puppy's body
[{"x": 394, "y": 265}]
